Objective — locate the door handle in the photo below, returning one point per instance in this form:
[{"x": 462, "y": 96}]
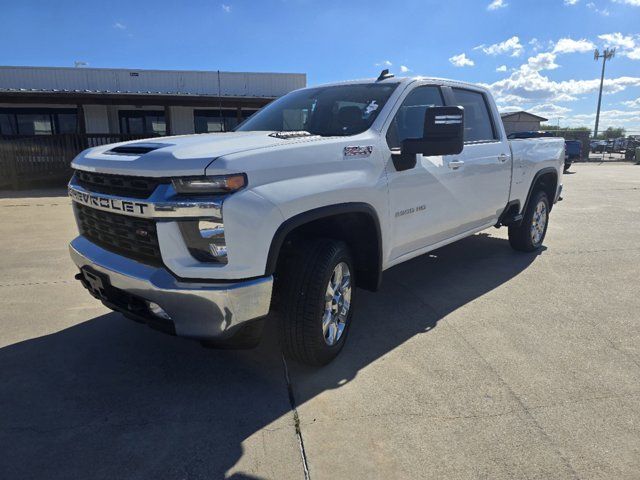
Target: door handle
[
  {"x": 503, "y": 158},
  {"x": 455, "y": 164}
]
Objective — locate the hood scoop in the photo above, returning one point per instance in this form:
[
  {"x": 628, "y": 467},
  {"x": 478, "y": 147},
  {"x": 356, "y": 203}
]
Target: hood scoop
[{"x": 136, "y": 148}]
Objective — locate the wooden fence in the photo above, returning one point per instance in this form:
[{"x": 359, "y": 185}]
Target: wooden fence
[{"x": 38, "y": 159}]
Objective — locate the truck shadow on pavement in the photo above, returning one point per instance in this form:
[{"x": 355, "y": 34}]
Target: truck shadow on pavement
[{"x": 109, "y": 398}]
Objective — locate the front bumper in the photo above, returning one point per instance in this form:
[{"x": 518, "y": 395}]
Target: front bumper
[{"x": 201, "y": 310}]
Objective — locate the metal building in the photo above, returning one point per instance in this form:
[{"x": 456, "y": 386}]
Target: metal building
[
  {"x": 521, "y": 122},
  {"x": 59, "y": 100}
]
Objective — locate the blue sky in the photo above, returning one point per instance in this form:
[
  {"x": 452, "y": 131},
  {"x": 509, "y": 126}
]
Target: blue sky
[{"x": 533, "y": 54}]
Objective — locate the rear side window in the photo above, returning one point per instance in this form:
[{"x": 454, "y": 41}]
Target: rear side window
[
  {"x": 409, "y": 121},
  {"x": 478, "y": 126}
]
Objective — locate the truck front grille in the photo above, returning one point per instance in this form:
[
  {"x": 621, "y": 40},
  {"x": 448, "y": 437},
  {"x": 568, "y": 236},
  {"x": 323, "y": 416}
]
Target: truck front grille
[
  {"x": 120, "y": 185},
  {"x": 131, "y": 237}
]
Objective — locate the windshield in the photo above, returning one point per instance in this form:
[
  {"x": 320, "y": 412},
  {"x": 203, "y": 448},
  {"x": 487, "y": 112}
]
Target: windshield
[{"x": 327, "y": 111}]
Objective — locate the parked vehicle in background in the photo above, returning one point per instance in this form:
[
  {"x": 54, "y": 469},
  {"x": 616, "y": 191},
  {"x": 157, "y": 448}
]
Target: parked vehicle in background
[
  {"x": 598, "y": 146},
  {"x": 572, "y": 152},
  {"x": 316, "y": 194},
  {"x": 615, "y": 145},
  {"x": 631, "y": 149}
]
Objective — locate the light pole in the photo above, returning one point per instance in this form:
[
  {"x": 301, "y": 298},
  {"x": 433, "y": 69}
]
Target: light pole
[{"x": 606, "y": 55}]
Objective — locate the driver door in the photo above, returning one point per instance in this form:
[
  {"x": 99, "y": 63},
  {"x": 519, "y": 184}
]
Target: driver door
[{"x": 424, "y": 209}]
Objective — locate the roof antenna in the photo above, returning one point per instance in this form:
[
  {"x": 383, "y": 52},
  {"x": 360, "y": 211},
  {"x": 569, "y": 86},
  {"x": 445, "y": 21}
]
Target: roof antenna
[{"x": 384, "y": 74}]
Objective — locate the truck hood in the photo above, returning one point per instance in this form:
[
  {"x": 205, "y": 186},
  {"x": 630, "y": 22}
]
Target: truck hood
[{"x": 175, "y": 156}]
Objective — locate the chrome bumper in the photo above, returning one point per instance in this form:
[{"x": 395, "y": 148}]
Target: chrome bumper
[{"x": 197, "y": 309}]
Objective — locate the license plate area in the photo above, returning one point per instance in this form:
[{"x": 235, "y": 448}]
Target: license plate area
[{"x": 96, "y": 282}]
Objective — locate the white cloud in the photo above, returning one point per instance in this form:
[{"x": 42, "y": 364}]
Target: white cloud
[
  {"x": 571, "y": 2},
  {"x": 119, "y": 26},
  {"x": 618, "y": 40},
  {"x": 510, "y": 46},
  {"x": 496, "y": 4},
  {"x": 509, "y": 108},
  {"x": 632, "y": 103},
  {"x": 404, "y": 69},
  {"x": 627, "y": 45},
  {"x": 635, "y": 3},
  {"x": 462, "y": 60},
  {"x": 501, "y": 68},
  {"x": 226, "y": 8},
  {"x": 539, "y": 62},
  {"x": 609, "y": 118},
  {"x": 384, "y": 63},
  {"x": 549, "y": 110},
  {"x": 604, "y": 12},
  {"x": 568, "y": 45},
  {"x": 528, "y": 85}
]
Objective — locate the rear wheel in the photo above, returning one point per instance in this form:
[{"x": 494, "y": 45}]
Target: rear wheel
[
  {"x": 316, "y": 286},
  {"x": 529, "y": 235}
]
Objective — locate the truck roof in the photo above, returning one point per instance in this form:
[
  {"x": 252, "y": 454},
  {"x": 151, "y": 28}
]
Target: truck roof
[{"x": 406, "y": 81}]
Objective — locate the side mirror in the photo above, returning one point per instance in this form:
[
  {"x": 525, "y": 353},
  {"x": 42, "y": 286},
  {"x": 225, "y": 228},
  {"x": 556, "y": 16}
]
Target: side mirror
[{"x": 443, "y": 133}]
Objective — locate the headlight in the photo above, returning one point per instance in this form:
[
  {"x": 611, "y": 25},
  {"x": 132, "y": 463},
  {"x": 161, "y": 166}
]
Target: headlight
[{"x": 210, "y": 185}]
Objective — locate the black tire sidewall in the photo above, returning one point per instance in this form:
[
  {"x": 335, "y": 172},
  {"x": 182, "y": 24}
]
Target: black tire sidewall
[
  {"x": 537, "y": 198},
  {"x": 324, "y": 352}
]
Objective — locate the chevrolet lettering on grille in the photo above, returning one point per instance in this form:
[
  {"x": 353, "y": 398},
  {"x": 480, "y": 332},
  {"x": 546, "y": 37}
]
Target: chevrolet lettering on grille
[{"x": 105, "y": 203}]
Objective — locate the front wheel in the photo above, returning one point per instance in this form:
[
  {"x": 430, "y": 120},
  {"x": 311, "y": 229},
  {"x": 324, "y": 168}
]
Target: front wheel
[
  {"x": 529, "y": 235},
  {"x": 316, "y": 287}
]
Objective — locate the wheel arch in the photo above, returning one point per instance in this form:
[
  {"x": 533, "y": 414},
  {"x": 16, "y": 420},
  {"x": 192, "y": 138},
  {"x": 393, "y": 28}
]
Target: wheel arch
[
  {"x": 355, "y": 223},
  {"x": 547, "y": 180}
]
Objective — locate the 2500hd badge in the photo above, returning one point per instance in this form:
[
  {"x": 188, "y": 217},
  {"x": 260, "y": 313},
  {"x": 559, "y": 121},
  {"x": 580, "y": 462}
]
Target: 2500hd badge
[{"x": 108, "y": 203}]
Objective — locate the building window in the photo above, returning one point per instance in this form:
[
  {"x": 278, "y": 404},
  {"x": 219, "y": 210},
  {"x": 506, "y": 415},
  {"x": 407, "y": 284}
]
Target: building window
[
  {"x": 210, "y": 121},
  {"x": 142, "y": 122},
  {"x": 38, "y": 121}
]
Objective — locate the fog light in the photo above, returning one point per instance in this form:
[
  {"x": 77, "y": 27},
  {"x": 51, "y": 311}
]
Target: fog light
[{"x": 158, "y": 311}]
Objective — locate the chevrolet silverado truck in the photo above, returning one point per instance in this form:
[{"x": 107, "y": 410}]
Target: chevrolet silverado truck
[{"x": 314, "y": 196}]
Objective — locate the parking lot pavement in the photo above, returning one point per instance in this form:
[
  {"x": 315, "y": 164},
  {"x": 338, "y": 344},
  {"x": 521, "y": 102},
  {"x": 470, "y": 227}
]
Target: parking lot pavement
[{"x": 472, "y": 362}]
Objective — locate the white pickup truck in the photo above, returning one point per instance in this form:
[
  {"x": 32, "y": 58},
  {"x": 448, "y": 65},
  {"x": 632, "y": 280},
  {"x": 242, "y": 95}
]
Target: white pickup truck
[{"x": 316, "y": 194}]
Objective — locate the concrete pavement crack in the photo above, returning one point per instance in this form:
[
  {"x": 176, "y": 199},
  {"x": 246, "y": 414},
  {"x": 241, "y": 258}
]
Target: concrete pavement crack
[{"x": 296, "y": 419}]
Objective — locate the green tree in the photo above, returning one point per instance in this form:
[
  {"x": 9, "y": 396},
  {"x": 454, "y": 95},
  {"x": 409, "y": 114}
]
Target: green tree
[
  {"x": 553, "y": 128},
  {"x": 612, "y": 133}
]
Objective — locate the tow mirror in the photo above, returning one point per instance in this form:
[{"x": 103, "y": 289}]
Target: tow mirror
[{"x": 443, "y": 135}]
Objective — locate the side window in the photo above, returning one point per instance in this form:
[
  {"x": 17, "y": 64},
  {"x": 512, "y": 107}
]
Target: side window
[
  {"x": 477, "y": 120},
  {"x": 409, "y": 120}
]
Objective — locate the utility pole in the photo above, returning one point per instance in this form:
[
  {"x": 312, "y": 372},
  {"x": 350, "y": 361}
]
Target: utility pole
[{"x": 608, "y": 54}]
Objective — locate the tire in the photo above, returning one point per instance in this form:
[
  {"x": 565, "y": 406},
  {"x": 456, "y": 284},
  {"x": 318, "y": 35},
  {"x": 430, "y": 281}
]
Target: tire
[
  {"x": 302, "y": 284},
  {"x": 529, "y": 235}
]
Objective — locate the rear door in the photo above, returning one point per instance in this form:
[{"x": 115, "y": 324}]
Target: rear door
[{"x": 481, "y": 174}]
